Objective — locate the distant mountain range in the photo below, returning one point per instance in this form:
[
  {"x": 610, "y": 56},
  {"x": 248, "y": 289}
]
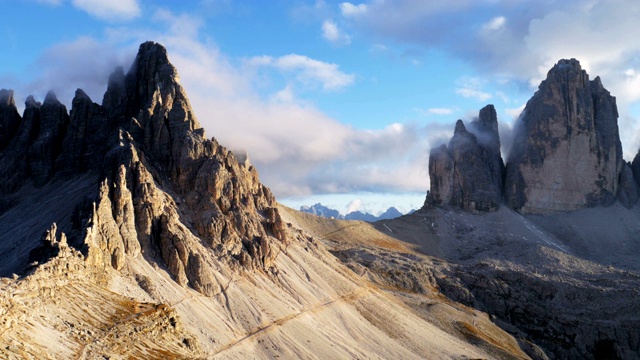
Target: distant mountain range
[{"x": 321, "y": 210}]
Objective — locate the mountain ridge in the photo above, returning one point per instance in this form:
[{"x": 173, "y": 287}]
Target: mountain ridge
[
  {"x": 125, "y": 233},
  {"x": 321, "y": 210}
]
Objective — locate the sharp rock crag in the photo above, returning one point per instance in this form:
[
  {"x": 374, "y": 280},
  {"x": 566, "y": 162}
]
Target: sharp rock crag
[
  {"x": 468, "y": 172},
  {"x": 566, "y": 153},
  {"x": 158, "y": 186}
]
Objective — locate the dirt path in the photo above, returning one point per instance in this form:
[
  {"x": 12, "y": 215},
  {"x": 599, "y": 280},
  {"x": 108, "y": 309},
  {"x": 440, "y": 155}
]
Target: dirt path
[{"x": 257, "y": 331}]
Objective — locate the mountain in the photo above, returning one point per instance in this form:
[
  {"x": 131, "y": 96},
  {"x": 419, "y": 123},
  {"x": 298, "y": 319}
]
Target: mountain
[
  {"x": 468, "y": 172},
  {"x": 568, "y": 127},
  {"x": 321, "y": 210},
  {"x": 126, "y": 233},
  {"x": 553, "y": 255},
  {"x": 390, "y": 213}
]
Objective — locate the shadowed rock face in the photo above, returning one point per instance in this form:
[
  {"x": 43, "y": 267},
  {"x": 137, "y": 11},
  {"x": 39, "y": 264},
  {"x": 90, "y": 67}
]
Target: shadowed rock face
[
  {"x": 9, "y": 117},
  {"x": 468, "y": 173},
  {"x": 161, "y": 187},
  {"x": 628, "y": 187},
  {"x": 567, "y": 154}
]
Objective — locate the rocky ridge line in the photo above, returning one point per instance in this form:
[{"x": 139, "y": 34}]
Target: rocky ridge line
[{"x": 162, "y": 189}]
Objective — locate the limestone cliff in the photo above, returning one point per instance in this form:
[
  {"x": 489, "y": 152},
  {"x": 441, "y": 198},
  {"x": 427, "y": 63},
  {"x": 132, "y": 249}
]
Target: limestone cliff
[
  {"x": 468, "y": 172},
  {"x": 160, "y": 187},
  {"x": 567, "y": 153}
]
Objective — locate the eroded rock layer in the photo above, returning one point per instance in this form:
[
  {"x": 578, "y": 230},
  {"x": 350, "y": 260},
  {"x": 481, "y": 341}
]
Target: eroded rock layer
[{"x": 161, "y": 188}]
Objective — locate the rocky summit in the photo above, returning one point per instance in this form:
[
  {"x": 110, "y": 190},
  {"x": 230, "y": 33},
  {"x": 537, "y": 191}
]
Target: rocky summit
[
  {"x": 468, "y": 172},
  {"x": 531, "y": 237},
  {"x": 566, "y": 153},
  {"x": 569, "y": 127},
  {"x": 160, "y": 185}
]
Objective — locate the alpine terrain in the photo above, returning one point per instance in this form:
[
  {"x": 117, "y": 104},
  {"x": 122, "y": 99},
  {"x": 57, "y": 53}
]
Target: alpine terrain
[{"x": 126, "y": 233}]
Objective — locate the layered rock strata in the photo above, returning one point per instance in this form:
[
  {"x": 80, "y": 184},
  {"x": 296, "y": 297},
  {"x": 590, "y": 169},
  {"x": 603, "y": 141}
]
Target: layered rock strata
[{"x": 161, "y": 187}]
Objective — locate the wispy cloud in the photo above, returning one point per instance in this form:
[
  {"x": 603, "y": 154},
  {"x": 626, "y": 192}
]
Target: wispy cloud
[
  {"x": 473, "y": 94},
  {"x": 308, "y": 71},
  {"x": 440, "y": 111},
  {"x": 109, "y": 10},
  {"x": 495, "y": 24},
  {"x": 351, "y": 10},
  {"x": 470, "y": 87},
  {"x": 435, "y": 111},
  {"x": 333, "y": 34}
]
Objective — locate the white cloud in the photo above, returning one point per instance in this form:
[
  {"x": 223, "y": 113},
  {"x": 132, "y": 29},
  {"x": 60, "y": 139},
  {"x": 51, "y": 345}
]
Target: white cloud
[
  {"x": 514, "y": 113},
  {"x": 469, "y": 87},
  {"x": 440, "y": 111},
  {"x": 496, "y": 23},
  {"x": 108, "y": 9},
  {"x": 309, "y": 71},
  {"x": 351, "y": 10},
  {"x": 284, "y": 95},
  {"x": 473, "y": 94},
  {"x": 331, "y": 33},
  {"x": 354, "y": 205},
  {"x": 49, "y": 2},
  {"x": 83, "y": 63}
]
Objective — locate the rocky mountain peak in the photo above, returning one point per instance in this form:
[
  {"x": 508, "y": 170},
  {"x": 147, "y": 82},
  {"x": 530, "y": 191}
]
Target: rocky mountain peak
[
  {"x": 9, "y": 117},
  {"x": 51, "y": 98},
  {"x": 485, "y": 127},
  {"x": 6, "y": 98},
  {"x": 568, "y": 127},
  {"x": 31, "y": 102},
  {"x": 153, "y": 183},
  {"x": 81, "y": 95},
  {"x": 460, "y": 129},
  {"x": 468, "y": 173}
]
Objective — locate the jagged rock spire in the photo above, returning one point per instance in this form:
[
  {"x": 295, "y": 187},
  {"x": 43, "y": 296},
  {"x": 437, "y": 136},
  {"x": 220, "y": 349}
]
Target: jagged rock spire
[
  {"x": 159, "y": 185},
  {"x": 567, "y": 153},
  {"x": 468, "y": 172},
  {"x": 9, "y": 118}
]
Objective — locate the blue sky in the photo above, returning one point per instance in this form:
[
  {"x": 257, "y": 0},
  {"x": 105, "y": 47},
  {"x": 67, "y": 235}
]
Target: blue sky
[{"x": 337, "y": 102}]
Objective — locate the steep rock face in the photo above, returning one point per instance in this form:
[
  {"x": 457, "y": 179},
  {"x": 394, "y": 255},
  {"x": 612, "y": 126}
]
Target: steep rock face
[
  {"x": 568, "y": 127},
  {"x": 628, "y": 187},
  {"x": 468, "y": 173},
  {"x": 635, "y": 168},
  {"x": 43, "y": 152},
  {"x": 161, "y": 188},
  {"x": 9, "y": 117},
  {"x": 87, "y": 136}
]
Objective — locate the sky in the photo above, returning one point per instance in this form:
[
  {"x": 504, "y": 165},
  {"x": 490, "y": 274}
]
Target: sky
[{"x": 335, "y": 102}]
